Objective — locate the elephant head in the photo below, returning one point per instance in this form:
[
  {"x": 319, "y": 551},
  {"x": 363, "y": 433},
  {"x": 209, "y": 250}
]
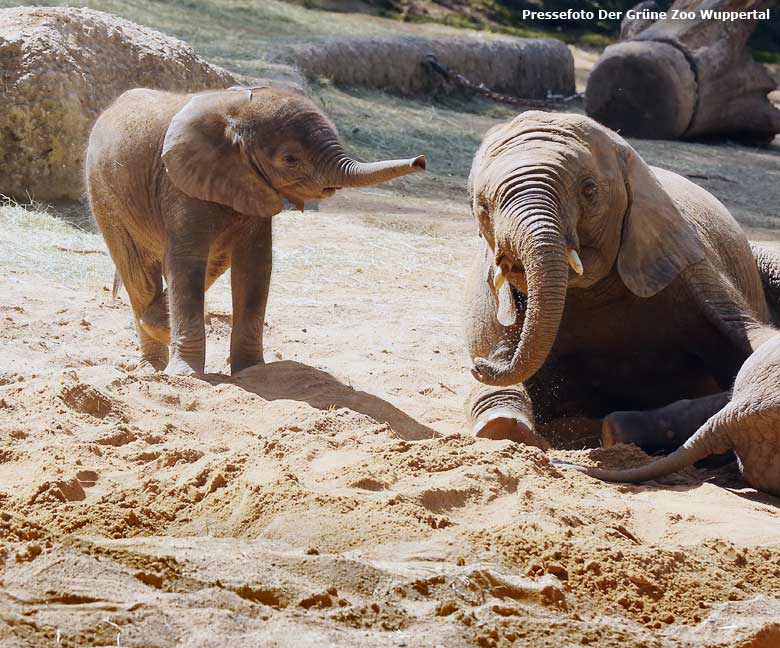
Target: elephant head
[
  {"x": 563, "y": 202},
  {"x": 248, "y": 148}
]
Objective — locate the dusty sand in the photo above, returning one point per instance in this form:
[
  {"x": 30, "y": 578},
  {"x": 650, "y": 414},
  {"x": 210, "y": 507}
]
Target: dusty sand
[{"x": 333, "y": 496}]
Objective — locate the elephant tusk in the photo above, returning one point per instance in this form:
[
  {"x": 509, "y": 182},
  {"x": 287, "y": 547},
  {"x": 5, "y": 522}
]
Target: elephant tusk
[
  {"x": 498, "y": 278},
  {"x": 574, "y": 261}
]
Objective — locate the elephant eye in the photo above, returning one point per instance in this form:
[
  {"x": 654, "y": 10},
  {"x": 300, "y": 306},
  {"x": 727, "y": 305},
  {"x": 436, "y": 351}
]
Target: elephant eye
[
  {"x": 290, "y": 160},
  {"x": 483, "y": 215},
  {"x": 589, "y": 188}
]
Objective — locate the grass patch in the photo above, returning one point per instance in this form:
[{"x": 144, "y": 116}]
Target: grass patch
[
  {"x": 764, "y": 56},
  {"x": 478, "y": 15},
  {"x": 33, "y": 237},
  {"x": 376, "y": 125},
  {"x": 245, "y": 36}
]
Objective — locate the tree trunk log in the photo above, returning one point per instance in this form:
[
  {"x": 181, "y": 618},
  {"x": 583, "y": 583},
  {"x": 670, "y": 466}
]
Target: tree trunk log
[{"x": 686, "y": 78}]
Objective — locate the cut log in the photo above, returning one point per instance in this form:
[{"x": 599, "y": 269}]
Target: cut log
[
  {"x": 686, "y": 78},
  {"x": 532, "y": 68},
  {"x": 635, "y": 21}
]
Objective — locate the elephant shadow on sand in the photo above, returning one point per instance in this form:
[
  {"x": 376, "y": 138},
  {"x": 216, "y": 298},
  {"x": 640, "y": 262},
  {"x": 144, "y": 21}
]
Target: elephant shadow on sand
[{"x": 290, "y": 380}]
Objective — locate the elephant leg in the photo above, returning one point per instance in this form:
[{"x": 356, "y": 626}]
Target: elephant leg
[
  {"x": 156, "y": 318},
  {"x": 186, "y": 261},
  {"x": 146, "y": 286},
  {"x": 141, "y": 275},
  {"x": 250, "y": 280},
  {"x": 503, "y": 413},
  {"x": 664, "y": 428},
  {"x": 768, "y": 262}
]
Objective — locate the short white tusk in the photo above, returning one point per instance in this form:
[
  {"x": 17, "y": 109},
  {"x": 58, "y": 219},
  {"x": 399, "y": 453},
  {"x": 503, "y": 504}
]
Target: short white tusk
[
  {"x": 574, "y": 261},
  {"x": 498, "y": 278}
]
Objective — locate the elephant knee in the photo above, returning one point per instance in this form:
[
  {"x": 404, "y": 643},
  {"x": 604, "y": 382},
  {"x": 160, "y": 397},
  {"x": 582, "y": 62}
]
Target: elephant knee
[{"x": 156, "y": 323}]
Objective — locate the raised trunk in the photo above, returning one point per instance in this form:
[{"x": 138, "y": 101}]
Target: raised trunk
[
  {"x": 529, "y": 232},
  {"x": 347, "y": 172},
  {"x": 685, "y": 78}
]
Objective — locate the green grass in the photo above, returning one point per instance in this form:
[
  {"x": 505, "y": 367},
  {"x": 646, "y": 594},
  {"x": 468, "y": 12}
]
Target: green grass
[
  {"x": 763, "y": 56},
  {"x": 486, "y": 16}
]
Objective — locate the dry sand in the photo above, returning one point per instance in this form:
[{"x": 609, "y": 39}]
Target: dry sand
[{"x": 333, "y": 496}]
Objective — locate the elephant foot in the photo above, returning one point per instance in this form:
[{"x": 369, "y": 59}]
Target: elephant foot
[
  {"x": 507, "y": 425},
  {"x": 638, "y": 428},
  {"x": 178, "y": 367},
  {"x": 149, "y": 366},
  {"x": 661, "y": 429},
  {"x": 238, "y": 364}
]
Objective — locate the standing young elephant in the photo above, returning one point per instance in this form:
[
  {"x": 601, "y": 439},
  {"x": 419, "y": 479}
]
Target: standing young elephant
[
  {"x": 184, "y": 187},
  {"x": 603, "y": 285}
]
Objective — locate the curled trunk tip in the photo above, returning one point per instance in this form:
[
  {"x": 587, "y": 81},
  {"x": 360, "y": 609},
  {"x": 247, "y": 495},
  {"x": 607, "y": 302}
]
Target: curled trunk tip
[
  {"x": 418, "y": 163},
  {"x": 351, "y": 173},
  {"x": 543, "y": 255}
]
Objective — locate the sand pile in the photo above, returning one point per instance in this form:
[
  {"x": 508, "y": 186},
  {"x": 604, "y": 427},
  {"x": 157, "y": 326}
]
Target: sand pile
[{"x": 331, "y": 497}]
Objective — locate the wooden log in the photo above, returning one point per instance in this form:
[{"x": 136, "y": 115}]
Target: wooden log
[
  {"x": 686, "y": 78},
  {"x": 524, "y": 67}
]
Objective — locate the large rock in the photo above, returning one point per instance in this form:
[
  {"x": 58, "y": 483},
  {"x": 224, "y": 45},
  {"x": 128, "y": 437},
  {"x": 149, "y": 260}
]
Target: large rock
[
  {"x": 59, "y": 68},
  {"x": 524, "y": 67}
]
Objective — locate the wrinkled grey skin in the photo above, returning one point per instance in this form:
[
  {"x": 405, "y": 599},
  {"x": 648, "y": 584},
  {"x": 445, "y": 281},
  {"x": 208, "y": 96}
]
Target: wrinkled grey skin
[
  {"x": 184, "y": 187},
  {"x": 670, "y": 303},
  {"x": 749, "y": 424},
  {"x": 768, "y": 261}
]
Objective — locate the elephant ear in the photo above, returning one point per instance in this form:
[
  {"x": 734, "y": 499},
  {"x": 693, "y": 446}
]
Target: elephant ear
[
  {"x": 206, "y": 157},
  {"x": 657, "y": 242}
]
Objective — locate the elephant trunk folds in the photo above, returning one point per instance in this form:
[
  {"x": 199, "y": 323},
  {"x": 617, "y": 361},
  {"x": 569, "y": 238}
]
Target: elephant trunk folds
[{"x": 528, "y": 231}]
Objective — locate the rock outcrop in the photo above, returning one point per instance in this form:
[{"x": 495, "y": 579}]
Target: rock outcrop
[{"x": 59, "y": 68}]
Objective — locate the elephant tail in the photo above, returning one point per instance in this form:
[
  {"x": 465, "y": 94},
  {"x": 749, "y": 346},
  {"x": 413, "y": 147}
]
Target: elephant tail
[
  {"x": 768, "y": 262},
  {"x": 711, "y": 438},
  {"x": 117, "y": 285}
]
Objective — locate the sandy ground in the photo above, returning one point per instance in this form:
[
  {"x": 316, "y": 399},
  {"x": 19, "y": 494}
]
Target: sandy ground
[{"x": 333, "y": 496}]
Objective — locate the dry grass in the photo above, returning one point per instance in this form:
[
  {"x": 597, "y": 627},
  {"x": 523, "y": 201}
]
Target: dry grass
[
  {"x": 376, "y": 125},
  {"x": 252, "y": 37},
  {"x": 34, "y": 237},
  {"x": 245, "y": 36}
]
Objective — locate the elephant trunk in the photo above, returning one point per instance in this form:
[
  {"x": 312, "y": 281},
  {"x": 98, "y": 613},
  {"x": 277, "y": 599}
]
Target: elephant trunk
[
  {"x": 346, "y": 172},
  {"x": 712, "y": 438},
  {"x": 528, "y": 231}
]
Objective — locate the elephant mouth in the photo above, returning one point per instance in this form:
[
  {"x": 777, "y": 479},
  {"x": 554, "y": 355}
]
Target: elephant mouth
[{"x": 508, "y": 269}]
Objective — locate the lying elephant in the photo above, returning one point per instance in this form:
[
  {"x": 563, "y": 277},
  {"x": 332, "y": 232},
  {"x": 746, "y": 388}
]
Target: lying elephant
[
  {"x": 184, "y": 186},
  {"x": 749, "y": 424},
  {"x": 603, "y": 285}
]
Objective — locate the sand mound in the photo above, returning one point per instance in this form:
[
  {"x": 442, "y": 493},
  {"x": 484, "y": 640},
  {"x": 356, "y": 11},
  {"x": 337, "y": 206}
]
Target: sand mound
[{"x": 332, "y": 498}]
